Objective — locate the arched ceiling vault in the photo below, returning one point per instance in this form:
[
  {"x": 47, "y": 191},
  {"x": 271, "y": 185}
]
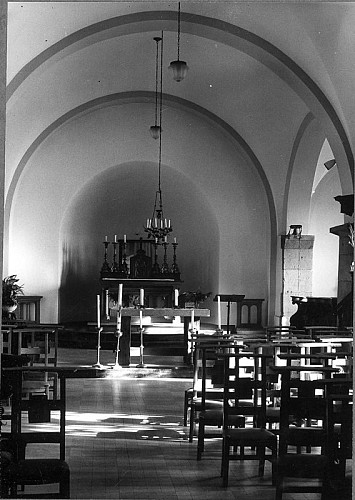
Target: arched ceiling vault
[{"x": 229, "y": 40}]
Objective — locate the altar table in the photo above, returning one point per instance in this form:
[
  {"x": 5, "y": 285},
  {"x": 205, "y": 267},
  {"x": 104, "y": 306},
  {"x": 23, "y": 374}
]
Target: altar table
[{"x": 128, "y": 312}]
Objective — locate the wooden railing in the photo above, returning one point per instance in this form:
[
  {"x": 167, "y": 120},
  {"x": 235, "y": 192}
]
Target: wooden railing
[
  {"x": 29, "y": 308},
  {"x": 249, "y": 313}
]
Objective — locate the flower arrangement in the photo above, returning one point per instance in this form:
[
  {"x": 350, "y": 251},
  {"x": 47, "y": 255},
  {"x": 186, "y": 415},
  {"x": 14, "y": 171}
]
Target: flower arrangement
[
  {"x": 11, "y": 290},
  {"x": 192, "y": 297}
]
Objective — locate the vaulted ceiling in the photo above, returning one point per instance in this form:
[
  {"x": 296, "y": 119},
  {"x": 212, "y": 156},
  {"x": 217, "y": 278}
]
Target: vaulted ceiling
[{"x": 256, "y": 67}]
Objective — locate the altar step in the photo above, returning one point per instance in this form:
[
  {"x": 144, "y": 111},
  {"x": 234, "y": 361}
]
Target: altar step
[
  {"x": 162, "y": 338},
  {"x": 155, "y": 366},
  {"x": 149, "y": 372}
]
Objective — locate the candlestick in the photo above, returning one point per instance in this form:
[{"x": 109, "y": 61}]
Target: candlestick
[
  {"x": 165, "y": 267},
  {"x": 114, "y": 267},
  {"x": 141, "y": 297},
  {"x": 141, "y": 347},
  {"x": 175, "y": 271},
  {"x": 219, "y": 311},
  {"x": 120, "y": 288},
  {"x": 106, "y": 304},
  {"x": 98, "y": 312},
  {"x": 118, "y": 319},
  {"x": 176, "y": 297},
  {"x": 105, "y": 266},
  {"x": 124, "y": 266},
  {"x": 156, "y": 267}
]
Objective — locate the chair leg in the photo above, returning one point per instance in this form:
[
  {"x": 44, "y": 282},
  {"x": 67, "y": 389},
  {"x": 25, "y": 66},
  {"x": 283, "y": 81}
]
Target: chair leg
[
  {"x": 64, "y": 486},
  {"x": 200, "y": 440},
  {"x": 192, "y": 423},
  {"x": 225, "y": 463},
  {"x": 278, "y": 493},
  {"x": 186, "y": 405}
]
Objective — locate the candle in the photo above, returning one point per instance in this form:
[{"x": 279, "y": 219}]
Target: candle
[
  {"x": 169, "y": 223},
  {"x": 124, "y": 238},
  {"x": 118, "y": 327},
  {"x": 156, "y": 240},
  {"x": 119, "y": 300},
  {"x": 147, "y": 222},
  {"x": 176, "y": 297},
  {"x": 141, "y": 297},
  {"x": 106, "y": 303},
  {"x": 174, "y": 240},
  {"x": 98, "y": 312},
  {"x": 105, "y": 238},
  {"x": 193, "y": 320},
  {"x": 141, "y": 319},
  {"x": 219, "y": 312},
  {"x": 165, "y": 239},
  {"x": 115, "y": 238}
]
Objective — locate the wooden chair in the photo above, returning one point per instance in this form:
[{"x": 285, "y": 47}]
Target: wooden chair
[
  {"x": 277, "y": 333},
  {"x": 6, "y": 340},
  {"x": 302, "y": 462},
  {"x": 37, "y": 471},
  {"x": 339, "y": 435},
  {"x": 248, "y": 395},
  {"x": 210, "y": 421},
  {"x": 41, "y": 345},
  {"x": 193, "y": 395}
]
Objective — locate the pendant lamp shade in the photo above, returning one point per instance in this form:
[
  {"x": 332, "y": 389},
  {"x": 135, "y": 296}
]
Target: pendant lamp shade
[
  {"x": 155, "y": 131},
  {"x": 179, "y": 70}
]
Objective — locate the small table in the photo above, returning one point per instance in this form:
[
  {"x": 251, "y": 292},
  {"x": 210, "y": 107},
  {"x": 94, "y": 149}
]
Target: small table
[{"x": 229, "y": 299}]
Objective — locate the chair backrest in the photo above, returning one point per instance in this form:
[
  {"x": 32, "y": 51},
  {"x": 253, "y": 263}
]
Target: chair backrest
[
  {"x": 40, "y": 343},
  {"x": 302, "y": 402},
  {"x": 208, "y": 342},
  {"x": 6, "y": 340},
  {"x": 245, "y": 391},
  {"x": 340, "y": 413},
  {"x": 53, "y": 432},
  {"x": 210, "y": 366}
]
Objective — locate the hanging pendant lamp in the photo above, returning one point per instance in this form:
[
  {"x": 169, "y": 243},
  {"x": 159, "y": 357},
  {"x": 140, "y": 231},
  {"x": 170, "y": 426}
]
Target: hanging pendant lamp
[
  {"x": 158, "y": 227},
  {"x": 178, "y": 68},
  {"x": 156, "y": 129}
]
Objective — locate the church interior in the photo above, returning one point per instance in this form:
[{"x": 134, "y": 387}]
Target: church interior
[{"x": 177, "y": 178}]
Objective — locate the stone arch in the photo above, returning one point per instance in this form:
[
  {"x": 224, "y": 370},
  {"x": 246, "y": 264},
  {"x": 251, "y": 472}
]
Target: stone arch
[{"x": 217, "y": 30}]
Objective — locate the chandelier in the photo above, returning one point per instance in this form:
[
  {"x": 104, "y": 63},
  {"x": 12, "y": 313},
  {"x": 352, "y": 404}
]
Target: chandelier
[
  {"x": 178, "y": 68},
  {"x": 158, "y": 226}
]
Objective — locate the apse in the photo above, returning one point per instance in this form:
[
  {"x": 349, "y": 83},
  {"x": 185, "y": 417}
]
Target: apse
[{"x": 118, "y": 202}]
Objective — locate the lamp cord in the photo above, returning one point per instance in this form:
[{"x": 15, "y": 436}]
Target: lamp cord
[
  {"x": 160, "y": 117},
  {"x": 156, "y": 82},
  {"x": 178, "y": 40}
]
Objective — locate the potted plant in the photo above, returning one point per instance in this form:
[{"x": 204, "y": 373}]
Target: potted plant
[{"x": 10, "y": 291}]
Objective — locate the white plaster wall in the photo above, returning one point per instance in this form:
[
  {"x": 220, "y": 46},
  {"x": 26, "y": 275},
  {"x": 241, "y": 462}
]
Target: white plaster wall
[
  {"x": 325, "y": 213},
  {"x": 206, "y": 159}
]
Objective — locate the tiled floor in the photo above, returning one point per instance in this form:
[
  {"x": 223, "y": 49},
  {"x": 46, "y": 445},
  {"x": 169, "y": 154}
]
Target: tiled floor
[{"x": 125, "y": 439}]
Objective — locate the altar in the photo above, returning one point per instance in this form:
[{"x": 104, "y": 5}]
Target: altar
[
  {"x": 137, "y": 265},
  {"x": 138, "y": 281}
]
